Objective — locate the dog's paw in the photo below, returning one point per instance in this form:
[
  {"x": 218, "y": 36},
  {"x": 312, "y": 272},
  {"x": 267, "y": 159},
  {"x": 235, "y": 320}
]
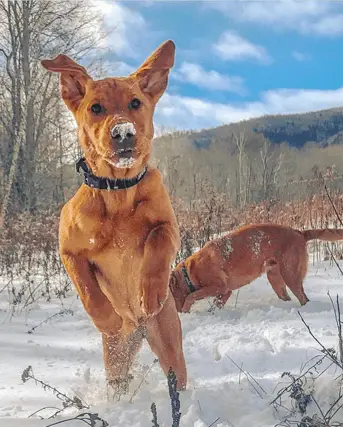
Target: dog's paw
[
  {"x": 218, "y": 301},
  {"x": 155, "y": 294}
]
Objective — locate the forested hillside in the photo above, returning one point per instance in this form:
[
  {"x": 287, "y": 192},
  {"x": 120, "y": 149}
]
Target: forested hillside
[
  {"x": 258, "y": 159},
  {"x": 323, "y": 127}
]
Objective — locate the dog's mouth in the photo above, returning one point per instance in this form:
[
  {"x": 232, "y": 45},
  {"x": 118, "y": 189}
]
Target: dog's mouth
[
  {"x": 122, "y": 158},
  {"x": 125, "y": 153}
]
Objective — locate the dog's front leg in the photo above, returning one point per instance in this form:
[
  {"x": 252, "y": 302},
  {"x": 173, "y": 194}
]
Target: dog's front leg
[
  {"x": 93, "y": 299},
  {"x": 160, "y": 250},
  {"x": 196, "y": 296}
]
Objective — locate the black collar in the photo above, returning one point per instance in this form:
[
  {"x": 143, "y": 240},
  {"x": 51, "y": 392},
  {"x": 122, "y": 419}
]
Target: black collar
[
  {"x": 188, "y": 281},
  {"x": 107, "y": 183}
]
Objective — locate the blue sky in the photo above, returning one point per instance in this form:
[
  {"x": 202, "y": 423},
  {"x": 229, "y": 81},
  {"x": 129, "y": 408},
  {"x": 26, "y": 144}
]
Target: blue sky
[{"x": 235, "y": 59}]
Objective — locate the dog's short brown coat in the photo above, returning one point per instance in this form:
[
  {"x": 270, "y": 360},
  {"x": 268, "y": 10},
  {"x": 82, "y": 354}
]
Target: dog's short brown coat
[
  {"x": 118, "y": 246},
  {"x": 236, "y": 259}
]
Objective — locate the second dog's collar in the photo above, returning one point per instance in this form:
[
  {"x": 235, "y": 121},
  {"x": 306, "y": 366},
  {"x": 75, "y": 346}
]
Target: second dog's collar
[
  {"x": 188, "y": 281},
  {"x": 109, "y": 184}
]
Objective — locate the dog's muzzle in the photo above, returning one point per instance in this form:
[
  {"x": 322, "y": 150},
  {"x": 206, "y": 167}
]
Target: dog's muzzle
[
  {"x": 123, "y": 139},
  {"x": 122, "y": 132}
]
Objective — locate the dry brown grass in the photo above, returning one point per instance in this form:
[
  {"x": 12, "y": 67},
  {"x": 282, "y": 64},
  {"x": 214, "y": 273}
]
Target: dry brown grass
[{"x": 30, "y": 266}]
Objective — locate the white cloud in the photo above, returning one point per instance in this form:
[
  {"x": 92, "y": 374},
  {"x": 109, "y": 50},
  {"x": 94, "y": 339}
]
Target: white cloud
[
  {"x": 301, "y": 56},
  {"x": 232, "y": 47},
  {"x": 177, "y": 112},
  {"x": 211, "y": 80},
  {"x": 301, "y": 100},
  {"x": 307, "y": 16},
  {"x": 330, "y": 25},
  {"x": 121, "y": 69},
  {"x": 127, "y": 28}
]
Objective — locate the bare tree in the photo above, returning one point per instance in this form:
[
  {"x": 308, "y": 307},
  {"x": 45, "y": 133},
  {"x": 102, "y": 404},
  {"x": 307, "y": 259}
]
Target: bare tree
[
  {"x": 31, "y": 30},
  {"x": 240, "y": 141},
  {"x": 270, "y": 166}
]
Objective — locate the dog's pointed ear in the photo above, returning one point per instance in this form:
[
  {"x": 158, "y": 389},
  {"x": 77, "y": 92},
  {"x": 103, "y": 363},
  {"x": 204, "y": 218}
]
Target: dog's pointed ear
[
  {"x": 153, "y": 73},
  {"x": 73, "y": 79}
]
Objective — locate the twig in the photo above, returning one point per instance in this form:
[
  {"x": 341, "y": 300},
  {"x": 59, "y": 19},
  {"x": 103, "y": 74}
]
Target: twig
[
  {"x": 4, "y": 287},
  {"x": 340, "y": 407},
  {"x": 214, "y": 422},
  {"x": 240, "y": 372},
  {"x": 237, "y": 294},
  {"x": 337, "y": 314},
  {"x": 87, "y": 417},
  {"x": 332, "y": 203},
  {"x": 200, "y": 408},
  {"x": 248, "y": 375},
  {"x": 332, "y": 407},
  {"x": 324, "y": 370},
  {"x": 321, "y": 412},
  {"x": 143, "y": 379},
  {"x": 298, "y": 394},
  {"x": 326, "y": 351},
  {"x": 285, "y": 389},
  {"x": 154, "y": 415},
  {"x": 174, "y": 398},
  {"x": 309, "y": 361},
  {"x": 60, "y": 313},
  {"x": 42, "y": 409},
  {"x": 28, "y": 374},
  {"x": 334, "y": 259},
  {"x": 67, "y": 402},
  {"x": 321, "y": 419}
]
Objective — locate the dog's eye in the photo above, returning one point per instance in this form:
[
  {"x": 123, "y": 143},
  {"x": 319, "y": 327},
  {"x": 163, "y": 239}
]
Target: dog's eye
[
  {"x": 97, "y": 108},
  {"x": 134, "y": 104}
]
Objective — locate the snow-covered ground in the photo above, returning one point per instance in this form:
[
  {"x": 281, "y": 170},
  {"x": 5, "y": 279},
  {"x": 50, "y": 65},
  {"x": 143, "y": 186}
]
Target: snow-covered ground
[{"x": 262, "y": 334}]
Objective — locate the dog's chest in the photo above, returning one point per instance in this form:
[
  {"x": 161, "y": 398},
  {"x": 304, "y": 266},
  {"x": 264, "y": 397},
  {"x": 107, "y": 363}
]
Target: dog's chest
[
  {"x": 116, "y": 237},
  {"x": 117, "y": 252}
]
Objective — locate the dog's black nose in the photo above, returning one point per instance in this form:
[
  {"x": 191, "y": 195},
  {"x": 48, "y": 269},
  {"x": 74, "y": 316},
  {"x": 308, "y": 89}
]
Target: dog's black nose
[{"x": 123, "y": 133}]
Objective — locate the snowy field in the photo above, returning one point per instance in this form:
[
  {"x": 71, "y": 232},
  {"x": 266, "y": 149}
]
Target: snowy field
[{"x": 262, "y": 334}]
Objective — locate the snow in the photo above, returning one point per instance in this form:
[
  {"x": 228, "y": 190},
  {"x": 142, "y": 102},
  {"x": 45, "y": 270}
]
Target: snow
[
  {"x": 123, "y": 129},
  {"x": 262, "y": 334},
  {"x": 123, "y": 162}
]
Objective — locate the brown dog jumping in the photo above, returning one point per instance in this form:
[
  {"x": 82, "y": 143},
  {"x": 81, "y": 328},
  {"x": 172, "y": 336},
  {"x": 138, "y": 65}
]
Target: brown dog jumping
[
  {"x": 238, "y": 258},
  {"x": 118, "y": 234}
]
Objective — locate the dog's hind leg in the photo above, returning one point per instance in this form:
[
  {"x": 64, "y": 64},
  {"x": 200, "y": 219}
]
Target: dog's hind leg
[
  {"x": 293, "y": 270},
  {"x": 295, "y": 284},
  {"x": 119, "y": 354},
  {"x": 164, "y": 335},
  {"x": 276, "y": 280}
]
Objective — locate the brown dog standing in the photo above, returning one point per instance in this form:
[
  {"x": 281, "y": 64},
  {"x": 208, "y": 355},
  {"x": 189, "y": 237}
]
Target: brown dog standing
[
  {"x": 238, "y": 258},
  {"x": 118, "y": 234}
]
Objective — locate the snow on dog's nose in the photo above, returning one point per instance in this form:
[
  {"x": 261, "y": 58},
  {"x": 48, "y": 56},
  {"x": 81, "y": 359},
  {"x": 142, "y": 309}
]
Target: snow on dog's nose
[
  {"x": 123, "y": 139},
  {"x": 123, "y": 131}
]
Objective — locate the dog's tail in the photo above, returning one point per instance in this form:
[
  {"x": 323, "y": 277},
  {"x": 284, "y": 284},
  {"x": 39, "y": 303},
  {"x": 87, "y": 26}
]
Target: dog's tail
[{"x": 327, "y": 234}]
